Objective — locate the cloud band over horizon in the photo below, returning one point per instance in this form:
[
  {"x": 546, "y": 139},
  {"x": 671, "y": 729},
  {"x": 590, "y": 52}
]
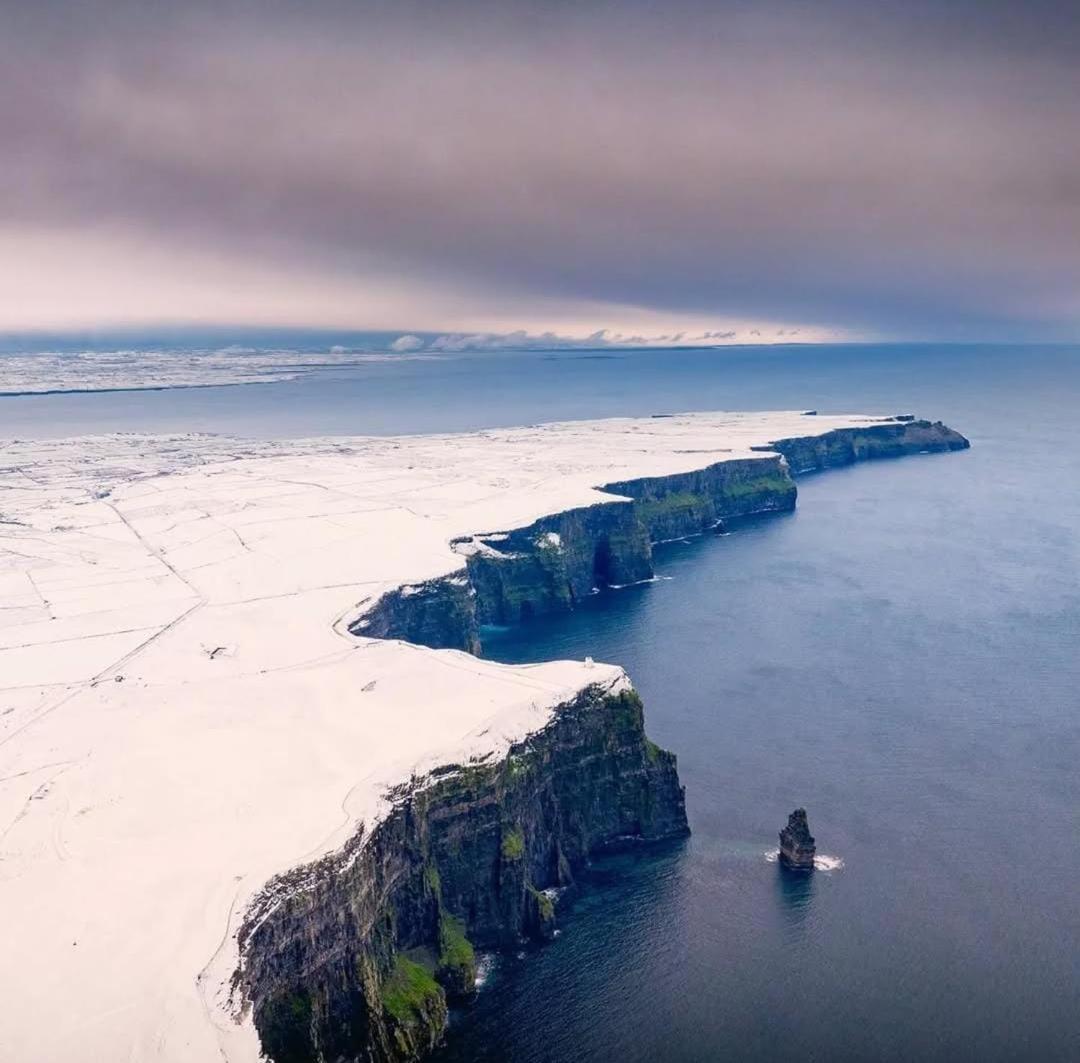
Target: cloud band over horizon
[{"x": 845, "y": 169}]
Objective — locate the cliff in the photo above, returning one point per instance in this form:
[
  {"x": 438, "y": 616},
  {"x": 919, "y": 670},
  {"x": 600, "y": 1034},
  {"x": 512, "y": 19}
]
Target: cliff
[
  {"x": 845, "y": 446},
  {"x": 358, "y": 960},
  {"x": 549, "y": 565},
  {"x": 187, "y": 715}
]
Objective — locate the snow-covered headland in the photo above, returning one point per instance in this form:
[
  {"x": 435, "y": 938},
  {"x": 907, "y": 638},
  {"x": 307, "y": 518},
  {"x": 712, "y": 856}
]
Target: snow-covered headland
[{"x": 191, "y": 709}]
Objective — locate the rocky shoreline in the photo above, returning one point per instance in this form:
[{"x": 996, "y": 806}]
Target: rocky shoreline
[
  {"x": 359, "y": 960},
  {"x": 511, "y": 576},
  {"x": 291, "y": 836}
]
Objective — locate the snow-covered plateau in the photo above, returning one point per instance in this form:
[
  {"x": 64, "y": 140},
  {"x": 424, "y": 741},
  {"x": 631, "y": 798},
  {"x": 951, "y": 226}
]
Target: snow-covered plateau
[
  {"x": 50, "y": 372},
  {"x": 184, "y": 713}
]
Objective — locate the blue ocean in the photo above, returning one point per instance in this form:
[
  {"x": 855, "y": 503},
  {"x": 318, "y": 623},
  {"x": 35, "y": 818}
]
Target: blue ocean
[{"x": 901, "y": 656}]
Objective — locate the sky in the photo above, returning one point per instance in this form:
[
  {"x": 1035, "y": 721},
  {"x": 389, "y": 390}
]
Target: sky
[{"x": 701, "y": 172}]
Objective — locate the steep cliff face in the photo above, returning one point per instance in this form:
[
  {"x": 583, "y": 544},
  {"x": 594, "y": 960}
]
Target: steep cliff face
[
  {"x": 672, "y": 507},
  {"x": 353, "y": 958},
  {"x": 844, "y": 446},
  {"x": 440, "y": 613},
  {"x": 549, "y": 566}
]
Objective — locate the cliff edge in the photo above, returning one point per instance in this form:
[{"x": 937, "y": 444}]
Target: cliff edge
[{"x": 237, "y": 774}]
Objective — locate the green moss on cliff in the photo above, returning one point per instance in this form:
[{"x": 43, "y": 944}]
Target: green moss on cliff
[
  {"x": 456, "y": 949},
  {"x": 628, "y": 710},
  {"x": 545, "y": 906},
  {"x": 285, "y": 1027},
  {"x": 409, "y": 993},
  {"x": 652, "y": 510},
  {"x": 432, "y": 880},
  {"x": 516, "y": 767},
  {"x": 513, "y": 845},
  {"x": 774, "y": 484},
  {"x": 457, "y": 958}
]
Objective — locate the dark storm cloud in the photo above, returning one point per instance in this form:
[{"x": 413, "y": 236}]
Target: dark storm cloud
[{"x": 913, "y": 171}]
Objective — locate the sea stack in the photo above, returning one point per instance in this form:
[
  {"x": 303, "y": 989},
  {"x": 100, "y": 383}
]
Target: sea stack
[{"x": 797, "y": 843}]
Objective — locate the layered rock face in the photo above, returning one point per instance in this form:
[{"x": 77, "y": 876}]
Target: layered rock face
[
  {"x": 672, "y": 507},
  {"x": 440, "y": 613},
  {"x": 844, "y": 446},
  {"x": 353, "y": 958},
  {"x": 797, "y": 847},
  {"x": 552, "y": 564},
  {"x": 548, "y": 567}
]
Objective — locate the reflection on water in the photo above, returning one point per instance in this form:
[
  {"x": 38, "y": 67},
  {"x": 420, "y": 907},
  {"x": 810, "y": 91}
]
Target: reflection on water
[{"x": 796, "y": 892}]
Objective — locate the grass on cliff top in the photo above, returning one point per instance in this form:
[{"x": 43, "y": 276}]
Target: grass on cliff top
[{"x": 408, "y": 992}]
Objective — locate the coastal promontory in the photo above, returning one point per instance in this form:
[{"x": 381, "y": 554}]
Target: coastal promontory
[{"x": 261, "y": 795}]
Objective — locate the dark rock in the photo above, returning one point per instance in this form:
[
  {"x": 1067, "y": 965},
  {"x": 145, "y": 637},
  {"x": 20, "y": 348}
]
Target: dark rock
[
  {"x": 888, "y": 439},
  {"x": 683, "y": 504},
  {"x": 553, "y": 563},
  {"x": 440, "y": 613},
  {"x": 797, "y": 847},
  {"x": 354, "y": 957},
  {"x": 549, "y": 566}
]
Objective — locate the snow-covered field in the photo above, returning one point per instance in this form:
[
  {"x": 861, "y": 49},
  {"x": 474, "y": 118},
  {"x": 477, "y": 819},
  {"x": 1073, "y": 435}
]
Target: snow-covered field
[
  {"x": 133, "y": 370},
  {"x": 183, "y": 712}
]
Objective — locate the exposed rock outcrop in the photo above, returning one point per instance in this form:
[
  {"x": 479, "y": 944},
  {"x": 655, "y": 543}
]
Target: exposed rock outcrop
[
  {"x": 797, "y": 848},
  {"x": 550, "y": 565},
  {"x": 673, "y": 507},
  {"x": 440, "y": 613},
  {"x": 555, "y": 562},
  {"x": 890, "y": 439},
  {"x": 353, "y": 958}
]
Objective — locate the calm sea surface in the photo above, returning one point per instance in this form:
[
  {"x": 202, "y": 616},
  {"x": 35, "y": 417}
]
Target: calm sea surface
[{"x": 901, "y": 656}]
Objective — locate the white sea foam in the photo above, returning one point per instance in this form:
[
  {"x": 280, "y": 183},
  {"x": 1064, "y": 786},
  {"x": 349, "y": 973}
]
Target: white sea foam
[
  {"x": 485, "y": 967},
  {"x": 823, "y": 862},
  {"x": 173, "y": 644},
  {"x": 636, "y": 583}
]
